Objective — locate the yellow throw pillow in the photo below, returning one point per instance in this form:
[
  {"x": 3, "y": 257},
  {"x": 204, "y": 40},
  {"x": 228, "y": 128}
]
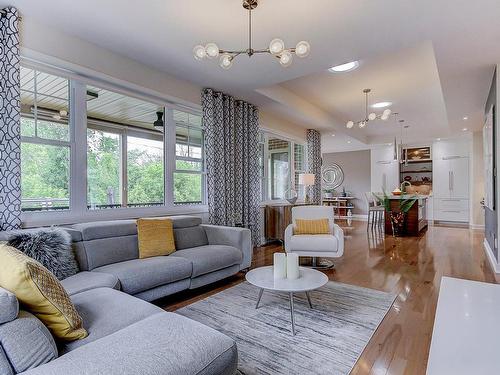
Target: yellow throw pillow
[
  {"x": 39, "y": 292},
  {"x": 319, "y": 226},
  {"x": 155, "y": 236}
]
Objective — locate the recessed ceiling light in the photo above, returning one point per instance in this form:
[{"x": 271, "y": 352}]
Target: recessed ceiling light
[
  {"x": 389, "y": 144},
  {"x": 438, "y": 139},
  {"x": 465, "y": 118},
  {"x": 347, "y": 67},
  {"x": 333, "y": 135},
  {"x": 381, "y": 104},
  {"x": 348, "y": 141},
  {"x": 464, "y": 129}
]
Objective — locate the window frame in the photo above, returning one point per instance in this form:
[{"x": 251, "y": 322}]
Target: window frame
[
  {"x": 52, "y": 142},
  {"x": 77, "y": 122},
  {"x": 265, "y": 134},
  {"x": 202, "y": 172}
]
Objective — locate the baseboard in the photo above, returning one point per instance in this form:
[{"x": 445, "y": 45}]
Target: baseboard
[
  {"x": 357, "y": 217},
  {"x": 476, "y": 226},
  {"x": 491, "y": 257}
]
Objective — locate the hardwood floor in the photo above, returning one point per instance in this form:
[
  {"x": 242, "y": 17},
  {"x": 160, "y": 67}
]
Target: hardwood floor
[{"x": 410, "y": 267}]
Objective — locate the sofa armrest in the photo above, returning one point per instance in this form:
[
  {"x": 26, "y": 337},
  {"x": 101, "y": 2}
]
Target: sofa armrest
[
  {"x": 339, "y": 234},
  {"x": 240, "y": 238}
]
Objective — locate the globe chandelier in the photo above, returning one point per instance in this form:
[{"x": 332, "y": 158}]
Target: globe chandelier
[
  {"x": 369, "y": 116},
  {"x": 276, "y": 47}
]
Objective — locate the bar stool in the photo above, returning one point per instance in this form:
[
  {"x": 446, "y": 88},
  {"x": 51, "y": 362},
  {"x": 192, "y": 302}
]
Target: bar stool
[{"x": 375, "y": 210}]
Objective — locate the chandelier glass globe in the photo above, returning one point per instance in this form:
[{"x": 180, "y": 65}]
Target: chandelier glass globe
[
  {"x": 212, "y": 50},
  {"x": 302, "y": 49},
  {"x": 226, "y": 61},
  {"x": 199, "y": 52},
  {"x": 286, "y": 58},
  {"x": 349, "y": 124},
  {"x": 372, "y": 116},
  {"x": 277, "y": 46},
  {"x": 362, "y": 124}
]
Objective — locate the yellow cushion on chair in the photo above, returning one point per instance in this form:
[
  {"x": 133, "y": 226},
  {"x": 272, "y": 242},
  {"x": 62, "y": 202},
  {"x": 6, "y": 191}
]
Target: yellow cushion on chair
[
  {"x": 40, "y": 293},
  {"x": 319, "y": 226},
  {"x": 155, "y": 236}
]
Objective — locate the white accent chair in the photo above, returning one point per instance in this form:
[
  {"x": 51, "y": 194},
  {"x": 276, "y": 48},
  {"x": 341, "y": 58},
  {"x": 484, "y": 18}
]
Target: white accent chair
[{"x": 318, "y": 245}]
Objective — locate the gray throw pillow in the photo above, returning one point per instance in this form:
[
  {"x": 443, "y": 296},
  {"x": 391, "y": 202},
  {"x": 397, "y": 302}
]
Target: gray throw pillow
[{"x": 49, "y": 246}]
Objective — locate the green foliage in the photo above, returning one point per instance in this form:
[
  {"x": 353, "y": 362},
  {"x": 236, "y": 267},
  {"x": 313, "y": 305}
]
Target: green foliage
[
  {"x": 46, "y": 170},
  {"x": 405, "y": 204}
]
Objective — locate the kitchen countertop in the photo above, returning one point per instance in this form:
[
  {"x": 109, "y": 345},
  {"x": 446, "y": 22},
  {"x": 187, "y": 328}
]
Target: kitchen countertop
[{"x": 407, "y": 196}]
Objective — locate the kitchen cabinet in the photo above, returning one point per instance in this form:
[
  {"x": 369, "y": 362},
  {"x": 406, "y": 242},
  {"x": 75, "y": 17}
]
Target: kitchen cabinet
[
  {"x": 384, "y": 169},
  {"x": 451, "y": 181}
]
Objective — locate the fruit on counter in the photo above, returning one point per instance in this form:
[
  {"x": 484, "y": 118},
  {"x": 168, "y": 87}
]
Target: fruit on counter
[{"x": 396, "y": 191}]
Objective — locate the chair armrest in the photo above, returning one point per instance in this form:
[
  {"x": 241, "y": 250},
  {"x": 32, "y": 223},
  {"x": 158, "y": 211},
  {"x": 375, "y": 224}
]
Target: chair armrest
[
  {"x": 288, "y": 236},
  {"x": 339, "y": 234},
  {"x": 241, "y": 238}
]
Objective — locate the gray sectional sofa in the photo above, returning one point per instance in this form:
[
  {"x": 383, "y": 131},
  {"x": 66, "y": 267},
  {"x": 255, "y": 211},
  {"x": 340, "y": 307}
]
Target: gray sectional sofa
[{"x": 128, "y": 335}]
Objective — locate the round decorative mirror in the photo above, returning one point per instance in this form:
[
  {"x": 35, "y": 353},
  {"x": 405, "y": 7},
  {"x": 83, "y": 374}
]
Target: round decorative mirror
[{"x": 333, "y": 176}]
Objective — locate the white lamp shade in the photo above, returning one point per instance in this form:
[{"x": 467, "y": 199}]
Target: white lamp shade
[{"x": 306, "y": 179}]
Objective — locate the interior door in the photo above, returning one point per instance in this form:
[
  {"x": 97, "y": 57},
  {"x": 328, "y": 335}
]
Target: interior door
[{"x": 459, "y": 178}]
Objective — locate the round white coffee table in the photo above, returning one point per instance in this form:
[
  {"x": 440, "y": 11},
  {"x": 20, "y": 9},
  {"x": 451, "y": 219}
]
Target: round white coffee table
[{"x": 308, "y": 280}]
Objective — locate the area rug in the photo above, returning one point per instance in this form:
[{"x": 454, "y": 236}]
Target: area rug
[{"x": 329, "y": 338}]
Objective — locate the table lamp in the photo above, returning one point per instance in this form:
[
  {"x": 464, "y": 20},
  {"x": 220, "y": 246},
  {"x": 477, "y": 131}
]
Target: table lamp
[{"x": 306, "y": 179}]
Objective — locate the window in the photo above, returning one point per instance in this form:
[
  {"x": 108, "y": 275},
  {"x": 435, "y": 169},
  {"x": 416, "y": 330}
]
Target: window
[
  {"x": 145, "y": 177},
  {"x": 279, "y": 167},
  {"x": 281, "y": 161},
  {"x": 189, "y": 169},
  {"x": 299, "y": 163},
  {"x": 122, "y": 138},
  {"x": 124, "y": 152},
  {"x": 45, "y": 141},
  {"x": 103, "y": 169}
]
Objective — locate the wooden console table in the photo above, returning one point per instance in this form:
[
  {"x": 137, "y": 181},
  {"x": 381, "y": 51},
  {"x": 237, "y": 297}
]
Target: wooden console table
[{"x": 277, "y": 217}]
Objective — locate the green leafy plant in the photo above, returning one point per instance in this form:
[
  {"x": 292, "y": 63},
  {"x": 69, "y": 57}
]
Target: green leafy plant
[{"x": 397, "y": 217}]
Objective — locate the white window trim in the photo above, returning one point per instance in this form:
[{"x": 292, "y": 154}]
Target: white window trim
[{"x": 78, "y": 211}]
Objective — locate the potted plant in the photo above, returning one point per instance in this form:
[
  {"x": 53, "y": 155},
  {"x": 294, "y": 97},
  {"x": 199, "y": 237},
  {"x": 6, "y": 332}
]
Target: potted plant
[
  {"x": 397, "y": 217},
  {"x": 329, "y": 193}
]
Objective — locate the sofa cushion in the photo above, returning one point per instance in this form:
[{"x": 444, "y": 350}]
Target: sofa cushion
[
  {"x": 41, "y": 293},
  {"x": 210, "y": 258},
  {"x": 105, "y": 311},
  {"x": 185, "y": 221},
  {"x": 27, "y": 342},
  {"x": 105, "y": 229},
  {"x": 318, "y": 242},
  {"x": 165, "y": 343},
  {"x": 103, "y": 251},
  {"x": 85, "y": 280},
  {"x": 9, "y": 307},
  {"x": 155, "y": 237},
  {"x": 138, "y": 275},
  {"x": 190, "y": 237},
  {"x": 5, "y": 367}
]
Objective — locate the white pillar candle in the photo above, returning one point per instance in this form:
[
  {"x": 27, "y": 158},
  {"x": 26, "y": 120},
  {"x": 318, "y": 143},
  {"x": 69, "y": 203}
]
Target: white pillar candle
[
  {"x": 292, "y": 266},
  {"x": 279, "y": 268}
]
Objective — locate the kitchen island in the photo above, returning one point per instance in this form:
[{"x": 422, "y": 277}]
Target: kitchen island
[{"x": 416, "y": 217}]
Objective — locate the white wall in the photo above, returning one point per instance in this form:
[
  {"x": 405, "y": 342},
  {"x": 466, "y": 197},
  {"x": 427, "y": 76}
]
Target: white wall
[{"x": 357, "y": 178}]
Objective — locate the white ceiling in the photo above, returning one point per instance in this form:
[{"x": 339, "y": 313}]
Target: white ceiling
[{"x": 433, "y": 59}]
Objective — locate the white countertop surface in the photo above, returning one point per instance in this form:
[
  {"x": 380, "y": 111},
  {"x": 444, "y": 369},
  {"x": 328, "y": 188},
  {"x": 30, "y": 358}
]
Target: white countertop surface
[{"x": 466, "y": 335}]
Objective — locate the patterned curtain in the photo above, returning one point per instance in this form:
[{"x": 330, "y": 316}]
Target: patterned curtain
[
  {"x": 232, "y": 161},
  {"x": 10, "y": 136},
  {"x": 314, "y": 164}
]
